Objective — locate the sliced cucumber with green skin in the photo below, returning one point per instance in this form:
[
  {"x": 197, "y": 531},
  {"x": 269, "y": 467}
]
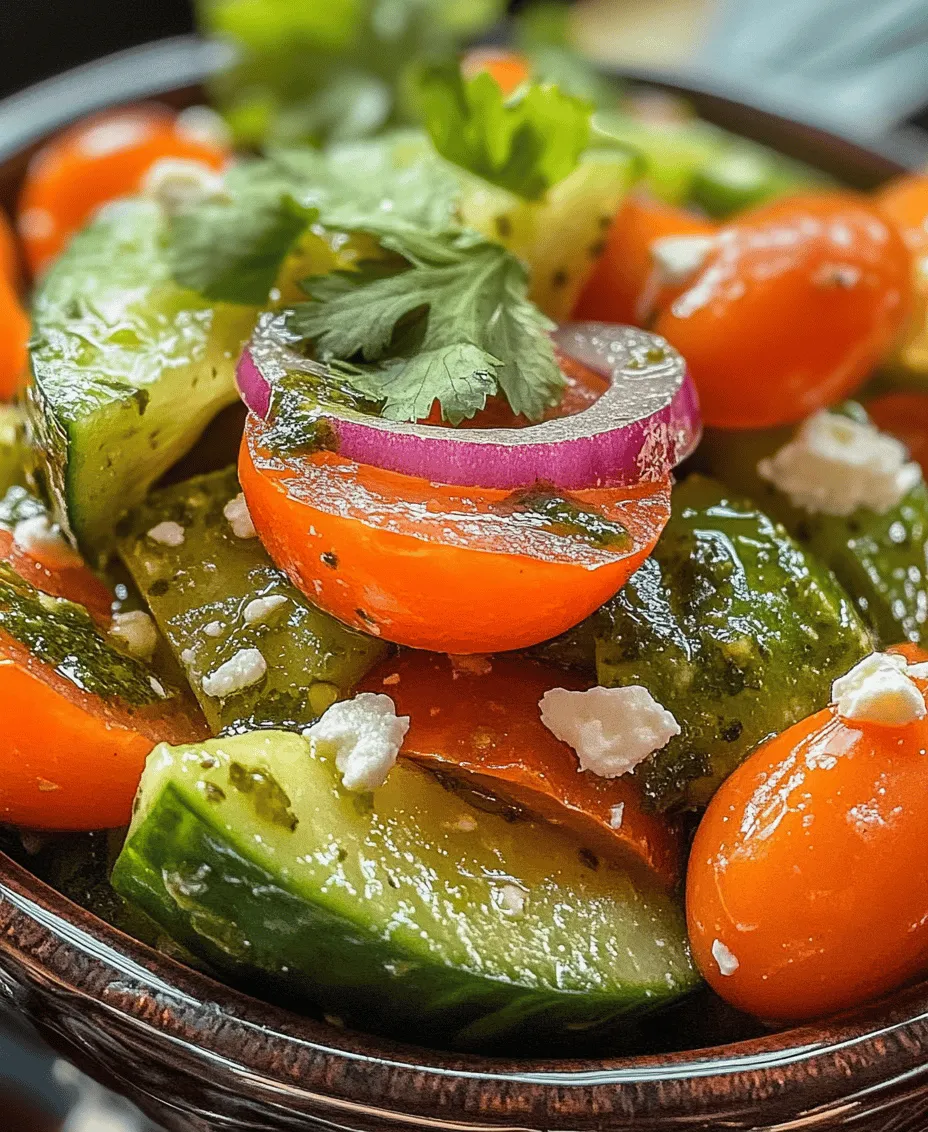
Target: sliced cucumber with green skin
[
  {"x": 405, "y": 911},
  {"x": 128, "y": 370},
  {"x": 734, "y": 629},
  {"x": 562, "y": 236},
  {"x": 13, "y": 448},
  {"x": 744, "y": 175},
  {"x": 199, "y": 593},
  {"x": 881, "y": 560}
]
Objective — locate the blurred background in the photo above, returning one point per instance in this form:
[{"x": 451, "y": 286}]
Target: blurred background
[{"x": 859, "y": 67}]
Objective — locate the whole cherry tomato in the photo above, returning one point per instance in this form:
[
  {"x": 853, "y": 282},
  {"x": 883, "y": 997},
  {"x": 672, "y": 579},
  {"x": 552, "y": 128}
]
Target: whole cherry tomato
[
  {"x": 625, "y": 285},
  {"x": 807, "y": 890},
  {"x": 509, "y": 68},
  {"x": 793, "y": 307},
  {"x": 97, "y": 160}
]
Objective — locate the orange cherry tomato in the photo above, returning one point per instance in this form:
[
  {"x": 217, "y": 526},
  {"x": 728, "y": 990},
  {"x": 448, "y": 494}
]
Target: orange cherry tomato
[
  {"x": 60, "y": 576},
  {"x": 509, "y": 69},
  {"x": 807, "y": 889},
  {"x": 70, "y": 760},
  {"x": 792, "y": 309},
  {"x": 14, "y": 340},
  {"x": 905, "y": 415},
  {"x": 905, "y": 201},
  {"x": 624, "y": 286},
  {"x": 432, "y": 566},
  {"x": 9, "y": 253},
  {"x": 98, "y": 160},
  {"x": 481, "y": 721}
]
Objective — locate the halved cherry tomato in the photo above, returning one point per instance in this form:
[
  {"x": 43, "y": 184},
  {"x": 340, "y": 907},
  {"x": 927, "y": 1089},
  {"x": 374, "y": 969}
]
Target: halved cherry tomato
[
  {"x": 792, "y": 309},
  {"x": 70, "y": 760},
  {"x": 482, "y": 721},
  {"x": 905, "y": 415},
  {"x": 98, "y": 160},
  {"x": 509, "y": 69},
  {"x": 59, "y": 576},
  {"x": 807, "y": 890},
  {"x": 14, "y": 340},
  {"x": 432, "y": 566},
  {"x": 624, "y": 286}
]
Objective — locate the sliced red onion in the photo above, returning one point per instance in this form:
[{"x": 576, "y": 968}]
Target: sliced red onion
[{"x": 643, "y": 425}]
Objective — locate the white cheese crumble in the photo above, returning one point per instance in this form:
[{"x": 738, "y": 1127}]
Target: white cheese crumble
[
  {"x": 726, "y": 960},
  {"x": 679, "y": 257},
  {"x": 261, "y": 608},
  {"x": 237, "y": 513},
  {"x": 38, "y": 535},
  {"x": 203, "y": 124},
  {"x": 366, "y": 735},
  {"x": 616, "y": 814},
  {"x": 833, "y": 465},
  {"x": 214, "y": 629},
  {"x": 611, "y": 729},
  {"x": 879, "y": 690},
  {"x": 510, "y": 898},
  {"x": 157, "y": 687},
  {"x": 176, "y": 182},
  {"x": 136, "y": 632},
  {"x": 247, "y": 667},
  {"x": 167, "y": 533}
]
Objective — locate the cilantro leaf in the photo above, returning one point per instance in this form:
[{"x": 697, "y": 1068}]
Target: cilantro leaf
[
  {"x": 230, "y": 248},
  {"x": 525, "y": 144},
  {"x": 453, "y": 326}
]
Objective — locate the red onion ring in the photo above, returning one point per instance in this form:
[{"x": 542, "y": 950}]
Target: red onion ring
[{"x": 643, "y": 425}]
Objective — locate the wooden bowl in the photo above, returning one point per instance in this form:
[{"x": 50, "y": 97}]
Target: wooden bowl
[{"x": 197, "y": 1055}]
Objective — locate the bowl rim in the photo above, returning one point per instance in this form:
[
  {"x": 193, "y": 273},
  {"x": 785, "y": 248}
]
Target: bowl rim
[{"x": 53, "y": 940}]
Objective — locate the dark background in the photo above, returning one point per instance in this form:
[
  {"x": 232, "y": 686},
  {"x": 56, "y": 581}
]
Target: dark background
[{"x": 43, "y": 37}]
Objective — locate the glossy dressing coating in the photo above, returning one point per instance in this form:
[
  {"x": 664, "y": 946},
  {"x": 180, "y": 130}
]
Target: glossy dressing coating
[
  {"x": 796, "y": 304},
  {"x": 809, "y": 868}
]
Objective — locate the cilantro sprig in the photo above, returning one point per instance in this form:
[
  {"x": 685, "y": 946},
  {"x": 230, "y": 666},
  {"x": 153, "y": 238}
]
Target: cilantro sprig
[
  {"x": 453, "y": 325},
  {"x": 525, "y": 143}
]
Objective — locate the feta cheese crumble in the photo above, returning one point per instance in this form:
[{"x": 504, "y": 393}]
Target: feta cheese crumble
[
  {"x": 239, "y": 518},
  {"x": 679, "y": 257},
  {"x": 38, "y": 535},
  {"x": 203, "y": 124},
  {"x": 214, "y": 629},
  {"x": 136, "y": 632},
  {"x": 247, "y": 667},
  {"x": 616, "y": 814},
  {"x": 175, "y": 183},
  {"x": 259, "y": 610},
  {"x": 611, "y": 729},
  {"x": 833, "y": 465},
  {"x": 725, "y": 959},
  {"x": 879, "y": 690},
  {"x": 366, "y": 735},
  {"x": 167, "y": 533},
  {"x": 510, "y": 898}
]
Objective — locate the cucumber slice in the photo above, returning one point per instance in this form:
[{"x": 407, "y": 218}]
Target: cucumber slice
[
  {"x": 389, "y": 909},
  {"x": 128, "y": 370},
  {"x": 743, "y": 175},
  {"x": 561, "y": 237},
  {"x": 13, "y": 448},
  {"x": 732, "y": 627},
  {"x": 881, "y": 560},
  {"x": 209, "y": 581}
]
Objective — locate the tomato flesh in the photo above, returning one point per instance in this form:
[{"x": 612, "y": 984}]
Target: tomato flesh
[
  {"x": 433, "y": 566},
  {"x": 796, "y": 304},
  {"x": 481, "y": 720},
  {"x": 808, "y": 870}
]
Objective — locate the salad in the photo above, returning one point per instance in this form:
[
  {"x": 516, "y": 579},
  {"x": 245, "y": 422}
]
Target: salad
[{"x": 463, "y": 568}]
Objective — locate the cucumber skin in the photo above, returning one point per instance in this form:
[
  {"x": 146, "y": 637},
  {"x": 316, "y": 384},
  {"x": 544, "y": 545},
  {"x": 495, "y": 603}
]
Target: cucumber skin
[
  {"x": 197, "y": 876},
  {"x": 211, "y": 577},
  {"x": 104, "y": 417},
  {"x": 881, "y": 560},
  {"x": 734, "y": 629},
  {"x": 13, "y": 450}
]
